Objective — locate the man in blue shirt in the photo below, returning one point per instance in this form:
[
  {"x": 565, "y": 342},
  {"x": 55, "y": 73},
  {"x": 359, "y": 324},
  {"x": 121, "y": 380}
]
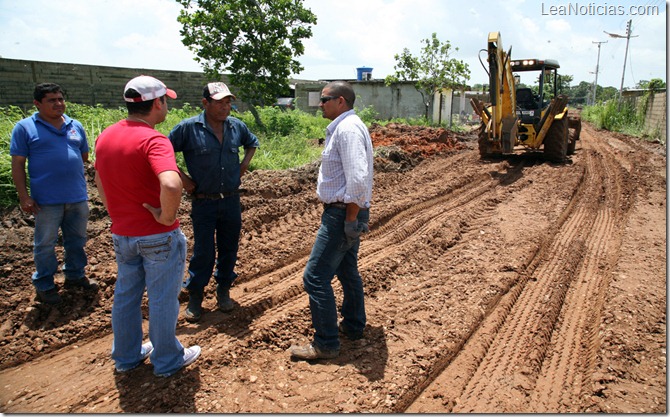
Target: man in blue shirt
[
  {"x": 210, "y": 143},
  {"x": 344, "y": 186},
  {"x": 56, "y": 147}
]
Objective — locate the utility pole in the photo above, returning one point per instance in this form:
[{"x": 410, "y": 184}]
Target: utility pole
[
  {"x": 595, "y": 83},
  {"x": 625, "y": 57}
]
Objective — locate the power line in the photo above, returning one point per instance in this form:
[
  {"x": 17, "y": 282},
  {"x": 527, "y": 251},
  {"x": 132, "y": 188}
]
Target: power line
[
  {"x": 625, "y": 57},
  {"x": 648, "y": 6}
]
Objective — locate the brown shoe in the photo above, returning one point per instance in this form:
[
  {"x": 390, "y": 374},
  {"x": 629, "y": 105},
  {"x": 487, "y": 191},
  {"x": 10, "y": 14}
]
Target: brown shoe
[{"x": 309, "y": 352}]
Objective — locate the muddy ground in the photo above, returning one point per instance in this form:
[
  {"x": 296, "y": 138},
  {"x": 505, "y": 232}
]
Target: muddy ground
[{"x": 509, "y": 285}]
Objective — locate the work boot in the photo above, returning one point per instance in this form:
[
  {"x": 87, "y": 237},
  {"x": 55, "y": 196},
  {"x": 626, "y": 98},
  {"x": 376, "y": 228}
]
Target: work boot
[
  {"x": 223, "y": 299},
  {"x": 87, "y": 284},
  {"x": 310, "y": 352},
  {"x": 194, "y": 308},
  {"x": 348, "y": 333},
  {"x": 49, "y": 296}
]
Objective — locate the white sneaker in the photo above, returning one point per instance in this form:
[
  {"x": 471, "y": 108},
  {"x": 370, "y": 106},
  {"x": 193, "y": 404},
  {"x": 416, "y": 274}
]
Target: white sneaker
[
  {"x": 146, "y": 350},
  {"x": 190, "y": 355}
]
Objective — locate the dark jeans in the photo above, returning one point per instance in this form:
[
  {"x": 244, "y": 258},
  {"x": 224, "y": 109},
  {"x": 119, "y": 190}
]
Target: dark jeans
[
  {"x": 331, "y": 255},
  {"x": 217, "y": 221}
]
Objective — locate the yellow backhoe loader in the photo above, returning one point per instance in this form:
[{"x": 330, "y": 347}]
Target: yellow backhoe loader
[{"x": 519, "y": 117}]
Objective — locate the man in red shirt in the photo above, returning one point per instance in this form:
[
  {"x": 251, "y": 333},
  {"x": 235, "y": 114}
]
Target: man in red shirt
[{"x": 139, "y": 183}]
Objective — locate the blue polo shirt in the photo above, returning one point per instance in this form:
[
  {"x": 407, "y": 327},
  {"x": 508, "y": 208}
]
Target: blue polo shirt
[
  {"x": 214, "y": 166},
  {"x": 55, "y": 164}
]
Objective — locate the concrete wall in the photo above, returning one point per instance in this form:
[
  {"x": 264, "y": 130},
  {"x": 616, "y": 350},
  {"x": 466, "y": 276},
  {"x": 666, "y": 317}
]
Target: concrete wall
[
  {"x": 101, "y": 85},
  {"x": 657, "y": 116},
  {"x": 398, "y": 101},
  {"x": 91, "y": 84},
  {"x": 655, "y": 123}
]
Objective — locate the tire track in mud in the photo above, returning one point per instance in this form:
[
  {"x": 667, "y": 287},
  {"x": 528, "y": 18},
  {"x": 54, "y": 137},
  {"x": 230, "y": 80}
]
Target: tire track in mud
[
  {"x": 535, "y": 351},
  {"x": 281, "y": 291},
  {"x": 268, "y": 302},
  {"x": 442, "y": 287}
]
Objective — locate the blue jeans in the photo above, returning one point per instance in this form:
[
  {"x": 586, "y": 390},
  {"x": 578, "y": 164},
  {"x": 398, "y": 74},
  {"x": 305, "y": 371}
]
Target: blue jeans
[
  {"x": 331, "y": 255},
  {"x": 71, "y": 219},
  {"x": 213, "y": 221},
  {"x": 155, "y": 262}
]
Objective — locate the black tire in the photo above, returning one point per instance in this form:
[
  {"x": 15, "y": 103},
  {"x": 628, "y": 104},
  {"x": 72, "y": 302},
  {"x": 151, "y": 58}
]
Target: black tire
[
  {"x": 483, "y": 142},
  {"x": 556, "y": 141},
  {"x": 574, "y": 129}
]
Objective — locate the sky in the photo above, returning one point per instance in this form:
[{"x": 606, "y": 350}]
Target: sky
[{"x": 359, "y": 33}]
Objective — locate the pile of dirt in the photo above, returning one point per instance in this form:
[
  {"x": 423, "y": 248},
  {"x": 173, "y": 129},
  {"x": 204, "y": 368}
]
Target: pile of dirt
[
  {"x": 400, "y": 147},
  {"x": 415, "y": 140}
]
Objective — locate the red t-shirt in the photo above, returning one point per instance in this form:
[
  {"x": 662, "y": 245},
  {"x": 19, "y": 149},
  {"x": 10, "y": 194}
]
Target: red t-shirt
[{"x": 129, "y": 156}]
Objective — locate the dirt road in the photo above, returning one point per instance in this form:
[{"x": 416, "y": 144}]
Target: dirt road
[{"x": 511, "y": 285}]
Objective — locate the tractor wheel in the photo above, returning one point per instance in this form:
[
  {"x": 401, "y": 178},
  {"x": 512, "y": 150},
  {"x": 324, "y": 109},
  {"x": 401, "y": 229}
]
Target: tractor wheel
[
  {"x": 556, "y": 141},
  {"x": 483, "y": 142},
  {"x": 574, "y": 129}
]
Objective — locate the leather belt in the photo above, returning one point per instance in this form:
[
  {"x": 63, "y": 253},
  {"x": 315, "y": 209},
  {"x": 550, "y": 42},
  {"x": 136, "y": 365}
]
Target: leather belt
[
  {"x": 339, "y": 205},
  {"x": 216, "y": 196},
  {"x": 336, "y": 204}
]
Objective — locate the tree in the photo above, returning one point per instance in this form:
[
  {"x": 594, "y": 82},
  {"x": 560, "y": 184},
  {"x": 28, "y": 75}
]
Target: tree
[
  {"x": 606, "y": 93},
  {"x": 654, "y": 85},
  {"x": 256, "y": 41},
  {"x": 563, "y": 85},
  {"x": 431, "y": 71},
  {"x": 581, "y": 92},
  {"x": 564, "y": 82}
]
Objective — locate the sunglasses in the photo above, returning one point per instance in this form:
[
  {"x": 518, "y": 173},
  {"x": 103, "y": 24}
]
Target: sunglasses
[{"x": 326, "y": 99}]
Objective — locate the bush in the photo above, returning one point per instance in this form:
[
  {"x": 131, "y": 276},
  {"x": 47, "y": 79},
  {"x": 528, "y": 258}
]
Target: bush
[{"x": 615, "y": 117}]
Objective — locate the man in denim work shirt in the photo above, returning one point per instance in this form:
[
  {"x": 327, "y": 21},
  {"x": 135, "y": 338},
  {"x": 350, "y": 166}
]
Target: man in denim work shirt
[
  {"x": 210, "y": 143},
  {"x": 345, "y": 187}
]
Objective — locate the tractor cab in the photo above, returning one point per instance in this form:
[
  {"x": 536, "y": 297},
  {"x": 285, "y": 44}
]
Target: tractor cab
[{"x": 529, "y": 105}]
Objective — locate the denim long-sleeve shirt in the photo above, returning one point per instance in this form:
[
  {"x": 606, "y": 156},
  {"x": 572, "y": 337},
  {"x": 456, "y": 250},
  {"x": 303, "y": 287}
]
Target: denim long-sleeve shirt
[{"x": 214, "y": 166}]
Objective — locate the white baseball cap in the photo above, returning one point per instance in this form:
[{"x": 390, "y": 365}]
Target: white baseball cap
[
  {"x": 149, "y": 88},
  {"x": 217, "y": 91}
]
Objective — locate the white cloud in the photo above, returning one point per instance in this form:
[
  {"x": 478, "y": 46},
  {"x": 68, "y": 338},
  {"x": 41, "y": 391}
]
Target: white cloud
[{"x": 349, "y": 34}]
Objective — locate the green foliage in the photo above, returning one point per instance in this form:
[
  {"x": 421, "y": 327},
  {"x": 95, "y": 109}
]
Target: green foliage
[
  {"x": 367, "y": 114},
  {"x": 654, "y": 85},
  {"x": 412, "y": 121},
  {"x": 253, "y": 40},
  {"x": 8, "y": 118},
  {"x": 432, "y": 70},
  {"x": 581, "y": 92},
  {"x": 94, "y": 119},
  {"x": 615, "y": 117},
  {"x": 563, "y": 86},
  {"x": 605, "y": 94}
]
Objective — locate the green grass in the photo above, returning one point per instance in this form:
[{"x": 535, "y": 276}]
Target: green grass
[
  {"x": 624, "y": 118},
  {"x": 289, "y": 140},
  {"x": 613, "y": 116}
]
